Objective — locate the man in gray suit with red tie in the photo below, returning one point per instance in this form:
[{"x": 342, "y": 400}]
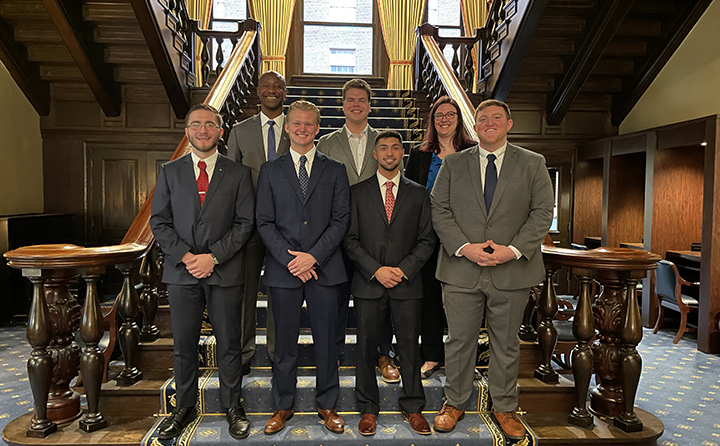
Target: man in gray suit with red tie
[
  {"x": 492, "y": 205},
  {"x": 303, "y": 207},
  {"x": 202, "y": 215},
  {"x": 252, "y": 142},
  {"x": 389, "y": 240}
]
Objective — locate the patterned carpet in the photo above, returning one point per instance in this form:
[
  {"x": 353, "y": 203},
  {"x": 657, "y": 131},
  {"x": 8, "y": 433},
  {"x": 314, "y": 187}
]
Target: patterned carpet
[{"x": 679, "y": 385}]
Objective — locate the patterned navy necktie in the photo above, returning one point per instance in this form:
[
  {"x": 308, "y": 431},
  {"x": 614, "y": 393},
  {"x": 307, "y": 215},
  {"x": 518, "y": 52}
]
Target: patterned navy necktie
[
  {"x": 303, "y": 175},
  {"x": 490, "y": 181}
]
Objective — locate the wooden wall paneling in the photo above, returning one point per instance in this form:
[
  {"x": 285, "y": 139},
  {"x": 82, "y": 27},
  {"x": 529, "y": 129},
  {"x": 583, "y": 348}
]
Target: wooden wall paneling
[
  {"x": 649, "y": 305},
  {"x": 588, "y": 201},
  {"x": 626, "y": 199},
  {"x": 709, "y": 312},
  {"x": 64, "y": 181}
]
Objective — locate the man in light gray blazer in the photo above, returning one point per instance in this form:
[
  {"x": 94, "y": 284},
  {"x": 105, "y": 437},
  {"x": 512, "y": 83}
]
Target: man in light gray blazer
[
  {"x": 252, "y": 142},
  {"x": 353, "y": 145},
  {"x": 492, "y": 205}
]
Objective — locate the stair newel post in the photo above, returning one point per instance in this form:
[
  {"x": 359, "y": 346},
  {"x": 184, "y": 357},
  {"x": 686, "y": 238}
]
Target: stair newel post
[
  {"x": 148, "y": 299},
  {"x": 159, "y": 284},
  {"x": 39, "y": 365},
  {"x": 92, "y": 363},
  {"x": 629, "y": 360},
  {"x": 129, "y": 333},
  {"x": 527, "y": 329},
  {"x": 547, "y": 334},
  {"x": 582, "y": 355}
]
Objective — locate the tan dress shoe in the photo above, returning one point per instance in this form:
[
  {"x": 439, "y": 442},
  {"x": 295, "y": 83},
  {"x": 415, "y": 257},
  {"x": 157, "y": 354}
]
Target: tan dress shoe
[
  {"x": 418, "y": 423},
  {"x": 333, "y": 422},
  {"x": 388, "y": 371},
  {"x": 367, "y": 424},
  {"x": 447, "y": 418},
  {"x": 276, "y": 423},
  {"x": 510, "y": 424}
]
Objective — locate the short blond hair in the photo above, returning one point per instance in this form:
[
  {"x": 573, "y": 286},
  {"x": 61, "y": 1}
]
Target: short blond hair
[
  {"x": 304, "y": 105},
  {"x": 490, "y": 103}
]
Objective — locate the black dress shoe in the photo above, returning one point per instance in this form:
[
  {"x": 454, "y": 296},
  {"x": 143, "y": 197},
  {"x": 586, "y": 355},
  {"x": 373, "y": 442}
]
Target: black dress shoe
[
  {"x": 239, "y": 424},
  {"x": 176, "y": 422}
]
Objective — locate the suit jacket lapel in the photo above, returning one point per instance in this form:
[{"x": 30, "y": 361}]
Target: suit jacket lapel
[
  {"x": 284, "y": 144},
  {"x": 188, "y": 179},
  {"x": 318, "y": 167},
  {"x": 369, "y": 146},
  {"x": 375, "y": 193},
  {"x": 216, "y": 179},
  {"x": 506, "y": 172},
  {"x": 287, "y": 165},
  {"x": 342, "y": 138},
  {"x": 399, "y": 197},
  {"x": 259, "y": 146},
  {"x": 475, "y": 178}
]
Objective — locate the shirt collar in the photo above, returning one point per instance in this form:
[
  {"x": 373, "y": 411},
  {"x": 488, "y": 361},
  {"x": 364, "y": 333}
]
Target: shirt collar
[
  {"x": 382, "y": 180},
  {"x": 209, "y": 161},
  {"x": 498, "y": 153},
  {"x": 350, "y": 134},
  {"x": 279, "y": 119},
  {"x": 296, "y": 156}
]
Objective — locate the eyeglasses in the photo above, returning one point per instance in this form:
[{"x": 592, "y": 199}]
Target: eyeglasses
[
  {"x": 449, "y": 115},
  {"x": 207, "y": 125}
]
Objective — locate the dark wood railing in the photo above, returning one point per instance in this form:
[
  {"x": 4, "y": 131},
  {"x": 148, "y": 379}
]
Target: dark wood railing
[{"x": 55, "y": 314}]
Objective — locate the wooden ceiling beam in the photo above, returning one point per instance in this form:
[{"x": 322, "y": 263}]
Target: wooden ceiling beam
[
  {"x": 586, "y": 57},
  {"x": 681, "y": 25},
  {"x": 25, "y": 73},
  {"x": 88, "y": 55}
]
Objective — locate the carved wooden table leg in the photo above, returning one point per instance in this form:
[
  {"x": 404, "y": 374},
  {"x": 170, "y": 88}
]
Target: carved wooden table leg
[
  {"x": 92, "y": 363},
  {"x": 129, "y": 333},
  {"x": 64, "y": 403},
  {"x": 582, "y": 355},
  {"x": 629, "y": 359},
  {"x": 149, "y": 299},
  {"x": 547, "y": 334},
  {"x": 39, "y": 365}
]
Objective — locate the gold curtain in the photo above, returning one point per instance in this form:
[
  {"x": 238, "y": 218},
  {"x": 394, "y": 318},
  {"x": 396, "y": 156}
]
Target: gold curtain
[
  {"x": 276, "y": 18},
  {"x": 399, "y": 18},
  {"x": 199, "y": 10},
  {"x": 474, "y": 15}
]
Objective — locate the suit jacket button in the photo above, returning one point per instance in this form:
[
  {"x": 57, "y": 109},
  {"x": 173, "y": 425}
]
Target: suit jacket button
[
  {"x": 200, "y": 223},
  {"x": 305, "y": 222}
]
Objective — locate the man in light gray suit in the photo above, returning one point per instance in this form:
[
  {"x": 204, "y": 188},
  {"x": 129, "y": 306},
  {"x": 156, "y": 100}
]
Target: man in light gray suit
[
  {"x": 492, "y": 205},
  {"x": 253, "y": 141},
  {"x": 353, "y": 145}
]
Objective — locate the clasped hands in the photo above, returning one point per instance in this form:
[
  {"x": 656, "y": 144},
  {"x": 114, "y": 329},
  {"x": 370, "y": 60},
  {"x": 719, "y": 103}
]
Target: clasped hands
[
  {"x": 302, "y": 266},
  {"x": 199, "y": 265},
  {"x": 389, "y": 276},
  {"x": 476, "y": 253}
]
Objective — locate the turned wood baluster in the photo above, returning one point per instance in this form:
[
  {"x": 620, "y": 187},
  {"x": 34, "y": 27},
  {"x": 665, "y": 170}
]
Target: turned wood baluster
[
  {"x": 92, "y": 362},
  {"x": 159, "y": 284},
  {"x": 547, "y": 334},
  {"x": 39, "y": 365},
  {"x": 205, "y": 61},
  {"x": 149, "y": 299},
  {"x": 527, "y": 329},
  {"x": 629, "y": 359},
  {"x": 582, "y": 355},
  {"x": 129, "y": 333}
]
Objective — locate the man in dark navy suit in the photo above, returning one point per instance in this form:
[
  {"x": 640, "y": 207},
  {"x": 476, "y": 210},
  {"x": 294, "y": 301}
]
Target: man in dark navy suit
[
  {"x": 202, "y": 215},
  {"x": 389, "y": 240},
  {"x": 302, "y": 216}
]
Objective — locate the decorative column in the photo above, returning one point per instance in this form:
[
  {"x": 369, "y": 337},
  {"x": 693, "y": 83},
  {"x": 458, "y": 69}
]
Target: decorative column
[
  {"x": 582, "y": 355},
  {"x": 149, "y": 299},
  {"x": 92, "y": 361},
  {"x": 129, "y": 333},
  {"x": 547, "y": 334}
]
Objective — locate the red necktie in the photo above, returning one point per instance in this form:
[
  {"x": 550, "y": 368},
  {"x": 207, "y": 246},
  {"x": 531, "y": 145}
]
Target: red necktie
[
  {"x": 389, "y": 199},
  {"x": 202, "y": 181}
]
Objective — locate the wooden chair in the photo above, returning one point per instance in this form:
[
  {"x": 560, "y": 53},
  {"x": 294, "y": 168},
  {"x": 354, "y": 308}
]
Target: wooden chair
[{"x": 669, "y": 295}]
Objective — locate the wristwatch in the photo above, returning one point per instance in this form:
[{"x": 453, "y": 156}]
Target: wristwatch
[{"x": 214, "y": 259}]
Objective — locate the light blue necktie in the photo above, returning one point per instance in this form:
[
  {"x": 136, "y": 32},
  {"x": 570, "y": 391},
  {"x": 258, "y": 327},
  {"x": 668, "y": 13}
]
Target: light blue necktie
[
  {"x": 490, "y": 181},
  {"x": 271, "y": 141},
  {"x": 303, "y": 175}
]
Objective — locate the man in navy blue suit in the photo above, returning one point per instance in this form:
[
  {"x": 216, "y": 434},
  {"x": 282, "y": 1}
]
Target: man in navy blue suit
[
  {"x": 302, "y": 215},
  {"x": 202, "y": 215}
]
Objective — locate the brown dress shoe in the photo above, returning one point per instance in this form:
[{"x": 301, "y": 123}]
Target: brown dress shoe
[
  {"x": 510, "y": 424},
  {"x": 333, "y": 422},
  {"x": 417, "y": 423},
  {"x": 276, "y": 423},
  {"x": 367, "y": 424},
  {"x": 390, "y": 373},
  {"x": 447, "y": 418}
]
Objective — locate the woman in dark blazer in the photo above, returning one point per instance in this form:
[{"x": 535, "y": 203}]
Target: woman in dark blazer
[{"x": 445, "y": 134}]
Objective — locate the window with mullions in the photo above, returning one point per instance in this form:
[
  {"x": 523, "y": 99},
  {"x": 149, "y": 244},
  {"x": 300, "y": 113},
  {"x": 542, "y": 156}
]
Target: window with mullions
[
  {"x": 338, "y": 36},
  {"x": 224, "y": 17},
  {"x": 446, "y": 15}
]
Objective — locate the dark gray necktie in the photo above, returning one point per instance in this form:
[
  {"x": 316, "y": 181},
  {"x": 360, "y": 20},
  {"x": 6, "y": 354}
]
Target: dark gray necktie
[
  {"x": 303, "y": 175},
  {"x": 271, "y": 141},
  {"x": 490, "y": 181}
]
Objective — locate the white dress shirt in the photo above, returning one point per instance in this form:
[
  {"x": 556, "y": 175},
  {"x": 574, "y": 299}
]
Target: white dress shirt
[
  {"x": 308, "y": 164},
  {"x": 210, "y": 164},
  {"x": 358, "y": 143},
  {"x": 279, "y": 122}
]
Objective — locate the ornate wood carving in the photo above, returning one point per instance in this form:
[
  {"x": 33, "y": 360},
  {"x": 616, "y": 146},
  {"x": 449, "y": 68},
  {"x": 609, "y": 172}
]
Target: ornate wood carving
[
  {"x": 149, "y": 298},
  {"x": 547, "y": 334}
]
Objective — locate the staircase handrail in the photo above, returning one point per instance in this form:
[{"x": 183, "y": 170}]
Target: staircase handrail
[{"x": 55, "y": 314}]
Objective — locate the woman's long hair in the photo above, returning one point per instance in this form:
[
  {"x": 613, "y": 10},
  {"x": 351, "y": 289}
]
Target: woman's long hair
[{"x": 461, "y": 140}]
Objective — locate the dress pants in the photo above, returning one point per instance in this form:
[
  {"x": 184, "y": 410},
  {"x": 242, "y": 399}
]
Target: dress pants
[
  {"x": 372, "y": 314},
  {"x": 254, "y": 254},
  {"x": 187, "y": 303},
  {"x": 322, "y": 310},
  {"x": 464, "y": 308}
]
